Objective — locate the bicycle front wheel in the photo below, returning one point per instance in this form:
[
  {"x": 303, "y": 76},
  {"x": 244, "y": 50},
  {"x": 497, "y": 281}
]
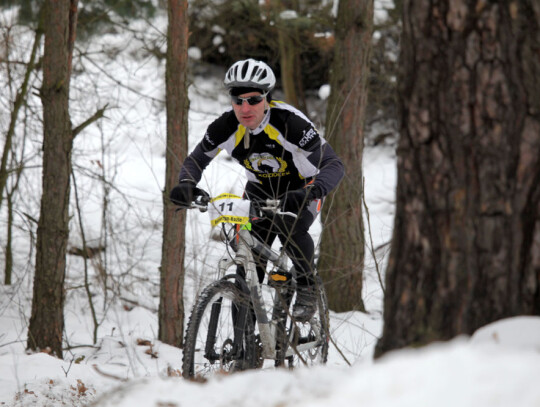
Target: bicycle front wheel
[{"x": 219, "y": 336}]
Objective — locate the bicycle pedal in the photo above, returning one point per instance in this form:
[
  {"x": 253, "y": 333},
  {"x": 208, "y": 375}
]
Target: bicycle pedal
[{"x": 279, "y": 278}]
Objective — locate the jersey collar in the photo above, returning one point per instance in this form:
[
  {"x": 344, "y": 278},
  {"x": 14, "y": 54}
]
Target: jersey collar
[{"x": 262, "y": 125}]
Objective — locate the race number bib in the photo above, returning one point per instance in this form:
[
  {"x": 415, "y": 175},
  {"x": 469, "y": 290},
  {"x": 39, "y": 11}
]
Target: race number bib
[{"x": 228, "y": 208}]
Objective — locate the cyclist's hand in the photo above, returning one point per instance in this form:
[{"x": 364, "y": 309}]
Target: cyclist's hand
[
  {"x": 184, "y": 193},
  {"x": 295, "y": 200}
]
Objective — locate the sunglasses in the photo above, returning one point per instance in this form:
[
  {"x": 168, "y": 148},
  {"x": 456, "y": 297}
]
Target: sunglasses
[{"x": 252, "y": 100}]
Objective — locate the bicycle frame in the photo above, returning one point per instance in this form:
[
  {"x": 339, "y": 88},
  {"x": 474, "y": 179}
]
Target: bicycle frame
[
  {"x": 244, "y": 257},
  {"x": 267, "y": 328}
]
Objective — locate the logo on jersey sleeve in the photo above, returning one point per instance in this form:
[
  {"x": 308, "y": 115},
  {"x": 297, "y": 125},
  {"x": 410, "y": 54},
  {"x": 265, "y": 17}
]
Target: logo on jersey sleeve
[
  {"x": 266, "y": 165},
  {"x": 208, "y": 139},
  {"x": 307, "y": 137}
]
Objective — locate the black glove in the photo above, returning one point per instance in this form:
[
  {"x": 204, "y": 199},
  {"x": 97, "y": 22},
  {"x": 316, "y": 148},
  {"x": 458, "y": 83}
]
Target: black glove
[
  {"x": 184, "y": 193},
  {"x": 295, "y": 200}
]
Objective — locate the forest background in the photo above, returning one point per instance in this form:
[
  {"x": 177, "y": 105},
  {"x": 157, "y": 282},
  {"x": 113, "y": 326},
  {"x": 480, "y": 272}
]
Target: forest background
[{"x": 115, "y": 234}]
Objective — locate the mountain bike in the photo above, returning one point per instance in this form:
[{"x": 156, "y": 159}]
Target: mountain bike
[{"x": 238, "y": 323}]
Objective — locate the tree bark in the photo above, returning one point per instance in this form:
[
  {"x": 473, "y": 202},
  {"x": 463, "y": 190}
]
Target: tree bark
[
  {"x": 466, "y": 245},
  {"x": 47, "y": 319},
  {"x": 289, "y": 55},
  {"x": 342, "y": 249},
  {"x": 171, "y": 307}
]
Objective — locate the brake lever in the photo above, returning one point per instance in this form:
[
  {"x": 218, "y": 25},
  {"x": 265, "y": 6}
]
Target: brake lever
[
  {"x": 274, "y": 206},
  {"x": 200, "y": 203}
]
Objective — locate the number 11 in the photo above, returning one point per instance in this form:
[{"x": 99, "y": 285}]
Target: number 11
[{"x": 222, "y": 206}]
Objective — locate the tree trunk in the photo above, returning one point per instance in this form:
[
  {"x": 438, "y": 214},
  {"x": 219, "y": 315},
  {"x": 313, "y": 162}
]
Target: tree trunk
[
  {"x": 171, "y": 306},
  {"x": 342, "y": 248},
  {"x": 466, "y": 245},
  {"x": 47, "y": 319},
  {"x": 289, "y": 54}
]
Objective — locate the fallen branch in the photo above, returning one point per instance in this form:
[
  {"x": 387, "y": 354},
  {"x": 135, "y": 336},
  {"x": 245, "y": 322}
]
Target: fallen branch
[
  {"x": 138, "y": 304},
  {"x": 108, "y": 375}
]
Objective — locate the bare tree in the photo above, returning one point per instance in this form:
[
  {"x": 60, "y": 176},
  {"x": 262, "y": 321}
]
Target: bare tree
[
  {"x": 171, "y": 306},
  {"x": 17, "y": 104},
  {"x": 9, "y": 165},
  {"x": 47, "y": 319},
  {"x": 17, "y": 166},
  {"x": 342, "y": 248},
  {"x": 289, "y": 53},
  {"x": 466, "y": 244}
]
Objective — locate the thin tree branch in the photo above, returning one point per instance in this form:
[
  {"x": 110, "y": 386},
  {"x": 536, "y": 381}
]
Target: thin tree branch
[
  {"x": 17, "y": 104},
  {"x": 98, "y": 115},
  {"x": 85, "y": 260},
  {"x": 371, "y": 248}
]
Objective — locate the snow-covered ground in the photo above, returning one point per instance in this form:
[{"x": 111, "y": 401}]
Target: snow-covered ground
[
  {"x": 499, "y": 366},
  {"x": 128, "y": 366}
]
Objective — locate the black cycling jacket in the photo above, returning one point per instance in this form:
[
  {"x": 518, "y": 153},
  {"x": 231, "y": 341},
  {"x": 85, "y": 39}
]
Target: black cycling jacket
[{"x": 285, "y": 152}]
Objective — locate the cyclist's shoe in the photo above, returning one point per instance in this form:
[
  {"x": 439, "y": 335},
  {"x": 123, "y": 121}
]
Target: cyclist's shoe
[{"x": 305, "y": 304}]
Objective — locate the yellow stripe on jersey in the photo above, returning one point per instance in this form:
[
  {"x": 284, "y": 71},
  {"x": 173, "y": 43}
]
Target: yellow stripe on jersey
[
  {"x": 272, "y": 133},
  {"x": 239, "y": 135}
]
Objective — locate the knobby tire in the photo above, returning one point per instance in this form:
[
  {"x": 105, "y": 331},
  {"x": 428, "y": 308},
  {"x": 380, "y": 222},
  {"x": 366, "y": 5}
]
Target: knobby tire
[{"x": 211, "y": 345}]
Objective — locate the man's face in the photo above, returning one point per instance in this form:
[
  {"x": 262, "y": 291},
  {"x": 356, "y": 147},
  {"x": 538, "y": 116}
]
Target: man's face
[{"x": 249, "y": 115}]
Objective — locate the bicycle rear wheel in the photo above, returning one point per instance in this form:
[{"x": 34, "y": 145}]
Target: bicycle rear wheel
[
  {"x": 308, "y": 342},
  {"x": 219, "y": 335}
]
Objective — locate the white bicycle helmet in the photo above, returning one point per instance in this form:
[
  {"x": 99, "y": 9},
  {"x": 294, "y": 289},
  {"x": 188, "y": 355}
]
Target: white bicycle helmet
[{"x": 250, "y": 73}]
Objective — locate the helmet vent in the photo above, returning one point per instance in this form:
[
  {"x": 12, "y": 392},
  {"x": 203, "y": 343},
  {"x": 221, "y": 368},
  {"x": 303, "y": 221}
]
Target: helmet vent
[{"x": 245, "y": 69}]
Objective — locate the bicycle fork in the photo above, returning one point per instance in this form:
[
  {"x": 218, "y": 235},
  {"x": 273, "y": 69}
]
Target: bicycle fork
[{"x": 240, "y": 315}]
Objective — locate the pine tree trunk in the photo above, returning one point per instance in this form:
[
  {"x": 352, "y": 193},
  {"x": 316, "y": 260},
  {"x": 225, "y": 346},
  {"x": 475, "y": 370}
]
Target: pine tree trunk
[
  {"x": 466, "y": 245},
  {"x": 342, "y": 248},
  {"x": 171, "y": 306},
  {"x": 47, "y": 319}
]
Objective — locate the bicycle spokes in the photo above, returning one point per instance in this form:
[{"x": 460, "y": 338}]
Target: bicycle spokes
[{"x": 215, "y": 340}]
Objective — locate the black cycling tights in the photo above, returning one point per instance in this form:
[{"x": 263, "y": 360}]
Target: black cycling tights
[{"x": 296, "y": 240}]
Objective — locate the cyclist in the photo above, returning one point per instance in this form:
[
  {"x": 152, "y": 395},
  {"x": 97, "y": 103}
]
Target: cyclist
[{"x": 284, "y": 157}]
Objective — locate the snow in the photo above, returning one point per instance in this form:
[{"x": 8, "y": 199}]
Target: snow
[
  {"x": 465, "y": 371},
  {"x": 127, "y": 366},
  {"x": 324, "y": 92},
  {"x": 288, "y": 15},
  {"x": 194, "y": 53},
  {"x": 412, "y": 378}
]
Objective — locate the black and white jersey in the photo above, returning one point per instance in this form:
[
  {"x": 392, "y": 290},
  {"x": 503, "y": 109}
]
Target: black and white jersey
[{"x": 284, "y": 152}]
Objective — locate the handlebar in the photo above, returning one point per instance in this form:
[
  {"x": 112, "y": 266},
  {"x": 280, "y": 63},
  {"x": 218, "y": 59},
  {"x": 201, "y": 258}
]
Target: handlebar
[
  {"x": 201, "y": 203},
  {"x": 269, "y": 205},
  {"x": 274, "y": 206}
]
